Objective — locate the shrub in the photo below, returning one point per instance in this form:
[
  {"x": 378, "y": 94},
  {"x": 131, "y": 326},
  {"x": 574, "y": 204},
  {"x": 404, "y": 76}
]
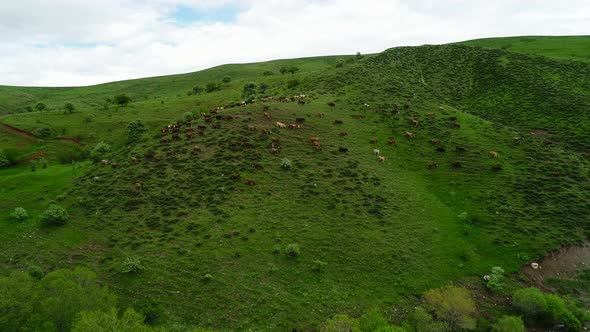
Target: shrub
[
  {"x": 340, "y": 323},
  {"x": 43, "y": 132},
  {"x": 4, "y": 161},
  {"x": 286, "y": 163},
  {"x": 530, "y": 302},
  {"x": 33, "y": 165},
  {"x": 122, "y": 100},
  {"x": 19, "y": 214},
  {"x": 509, "y": 324},
  {"x": 110, "y": 321},
  {"x": 40, "y": 107},
  {"x": 249, "y": 90},
  {"x": 371, "y": 321},
  {"x": 132, "y": 265},
  {"x": 284, "y": 70},
  {"x": 135, "y": 129},
  {"x": 55, "y": 215},
  {"x": 292, "y": 83},
  {"x": 268, "y": 73},
  {"x": 359, "y": 55},
  {"x": 292, "y": 250},
  {"x": 35, "y": 271},
  {"x": 496, "y": 282},
  {"x": 69, "y": 108},
  {"x": 197, "y": 89},
  {"x": 262, "y": 88},
  {"x": 226, "y": 79},
  {"x": 340, "y": 63},
  {"x": 207, "y": 277},
  {"x": 318, "y": 265},
  {"x": 560, "y": 314},
  {"x": 293, "y": 70},
  {"x": 452, "y": 305},
  {"x": 100, "y": 151},
  {"x": 212, "y": 86},
  {"x": 188, "y": 116},
  {"x": 422, "y": 321}
]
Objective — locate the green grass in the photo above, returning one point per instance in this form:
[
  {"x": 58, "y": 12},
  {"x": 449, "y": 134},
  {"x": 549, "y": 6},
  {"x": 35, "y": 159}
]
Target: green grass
[
  {"x": 387, "y": 230},
  {"x": 560, "y": 47}
]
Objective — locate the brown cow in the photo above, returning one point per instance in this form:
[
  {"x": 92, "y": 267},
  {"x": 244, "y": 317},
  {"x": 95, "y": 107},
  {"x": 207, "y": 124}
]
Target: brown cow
[
  {"x": 434, "y": 142},
  {"x": 104, "y": 162},
  {"x": 409, "y": 135},
  {"x": 294, "y": 126},
  {"x": 314, "y": 139},
  {"x": 250, "y": 182},
  {"x": 321, "y": 115},
  {"x": 415, "y": 122},
  {"x": 139, "y": 186},
  {"x": 373, "y": 140},
  {"x": 432, "y": 165},
  {"x": 267, "y": 115},
  {"x": 343, "y": 133},
  {"x": 517, "y": 139},
  {"x": 493, "y": 154}
]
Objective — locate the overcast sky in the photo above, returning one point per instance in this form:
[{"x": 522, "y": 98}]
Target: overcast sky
[{"x": 82, "y": 42}]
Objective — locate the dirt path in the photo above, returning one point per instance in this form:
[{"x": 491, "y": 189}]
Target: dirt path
[
  {"x": 30, "y": 136},
  {"x": 563, "y": 263}
]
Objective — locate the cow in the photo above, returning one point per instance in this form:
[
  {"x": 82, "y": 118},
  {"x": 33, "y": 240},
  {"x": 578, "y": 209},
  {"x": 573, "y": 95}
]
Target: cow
[
  {"x": 332, "y": 104},
  {"x": 190, "y": 129},
  {"x": 250, "y": 182},
  {"x": 409, "y": 135},
  {"x": 275, "y": 150},
  {"x": 415, "y": 122},
  {"x": 134, "y": 160},
  {"x": 493, "y": 154},
  {"x": 343, "y": 149},
  {"x": 114, "y": 165},
  {"x": 343, "y": 133},
  {"x": 432, "y": 165},
  {"x": 391, "y": 142},
  {"x": 235, "y": 176},
  {"x": 189, "y": 135},
  {"x": 434, "y": 142},
  {"x": 176, "y": 137},
  {"x": 376, "y": 152},
  {"x": 430, "y": 114},
  {"x": 517, "y": 139},
  {"x": 299, "y": 120},
  {"x": 381, "y": 158},
  {"x": 373, "y": 140},
  {"x": 196, "y": 148},
  {"x": 314, "y": 139},
  {"x": 440, "y": 149},
  {"x": 456, "y": 165},
  {"x": 251, "y": 128},
  {"x": 139, "y": 186},
  {"x": 301, "y": 102},
  {"x": 281, "y": 125},
  {"x": 104, "y": 162},
  {"x": 267, "y": 115},
  {"x": 321, "y": 115},
  {"x": 338, "y": 122},
  {"x": 294, "y": 126}
]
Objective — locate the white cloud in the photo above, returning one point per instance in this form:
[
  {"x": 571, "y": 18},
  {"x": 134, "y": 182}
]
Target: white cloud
[{"x": 75, "y": 42}]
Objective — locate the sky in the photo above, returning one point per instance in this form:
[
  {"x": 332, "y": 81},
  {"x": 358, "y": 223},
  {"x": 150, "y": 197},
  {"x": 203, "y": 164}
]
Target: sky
[{"x": 84, "y": 42}]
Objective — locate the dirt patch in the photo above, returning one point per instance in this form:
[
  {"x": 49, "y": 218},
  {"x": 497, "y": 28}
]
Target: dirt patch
[
  {"x": 30, "y": 135},
  {"x": 70, "y": 140},
  {"x": 560, "y": 264}
]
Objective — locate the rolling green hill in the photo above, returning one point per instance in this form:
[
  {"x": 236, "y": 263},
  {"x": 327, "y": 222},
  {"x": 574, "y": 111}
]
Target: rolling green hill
[{"x": 496, "y": 173}]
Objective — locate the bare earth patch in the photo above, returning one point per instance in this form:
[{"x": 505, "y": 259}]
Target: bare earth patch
[{"x": 560, "y": 264}]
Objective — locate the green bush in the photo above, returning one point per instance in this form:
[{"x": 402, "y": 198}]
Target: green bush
[
  {"x": 340, "y": 63},
  {"x": 452, "y": 305},
  {"x": 104, "y": 321},
  {"x": 207, "y": 277},
  {"x": 371, "y": 321},
  {"x": 340, "y": 323},
  {"x": 212, "y": 86},
  {"x": 40, "y": 107},
  {"x": 188, "y": 116},
  {"x": 530, "y": 302},
  {"x": 268, "y": 73},
  {"x": 262, "y": 88},
  {"x": 226, "y": 79},
  {"x": 132, "y": 265},
  {"x": 69, "y": 108},
  {"x": 55, "y": 215},
  {"x": 43, "y": 132},
  {"x": 509, "y": 324},
  {"x": 292, "y": 250},
  {"x": 496, "y": 282},
  {"x": 249, "y": 90},
  {"x": 292, "y": 83},
  {"x": 421, "y": 321},
  {"x": 4, "y": 161},
  {"x": 560, "y": 314},
  {"x": 100, "y": 151},
  {"x": 318, "y": 265},
  {"x": 197, "y": 89},
  {"x": 135, "y": 129},
  {"x": 122, "y": 100},
  {"x": 35, "y": 271},
  {"x": 286, "y": 163},
  {"x": 19, "y": 214}
]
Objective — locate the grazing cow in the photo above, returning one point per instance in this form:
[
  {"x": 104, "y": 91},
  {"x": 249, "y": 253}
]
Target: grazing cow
[
  {"x": 201, "y": 127},
  {"x": 453, "y": 118},
  {"x": 267, "y": 131},
  {"x": 104, "y": 162},
  {"x": 267, "y": 115},
  {"x": 208, "y": 119},
  {"x": 281, "y": 125},
  {"x": 338, "y": 122},
  {"x": 430, "y": 114},
  {"x": 415, "y": 122},
  {"x": 373, "y": 140},
  {"x": 301, "y": 102},
  {"x": 190, "y": 129},
  {"x": 376, "y": 152},
  {"x": 517, "y": 139},
  {"x": 139, "y": 186},
  {"x": 440, "y": 149},
  {"x": 366, "y": 105},
  {"x": 343, "y": 149},
  {"x": 456, "y": 165},
  {"x": 294, "y": 126},
  {"x": 547, "y": 142},
  {"x": 321, "y": 115},
  {"x": 250, "y": 182},
  {"x": 332, "y": 104},
  {"x": 493, "y": 154},
  {"x": 164, "y": 130},
  {"x": 256, "y": 165},
  {"x": 251, "y": 128},
  {"x": 381, "y": 158},
  {"x": 314, "y": 139},
  {"x": 176, "y": 137},
  {"x": 317, "y": 146},
  {"x": 235, "y": 176},
  {"x": 409, "y": 135},
  {"x": 434, "y": 142},
  {"x": 556, "y": 173},
  {"x": 432, "y": 165},
  {"x": 203, "y": 114},
  {"x": 300, "y": 120},
  {"x": 343, "y": 133},
  {"x": 196, "y": 148},
  {"x": 114, "y": 165},
  {"x": 275, "y": 150},
  {"x": 189, "y": 135},
  {"x": 391, "y": 142}
]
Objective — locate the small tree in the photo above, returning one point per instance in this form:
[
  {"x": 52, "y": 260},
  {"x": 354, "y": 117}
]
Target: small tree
[
  {"x": 509, "y": 324},
  {"x": 372, "y": 321},
  {"x": 100, "y": 151},
  {"x": 496, "y": 282},
  {"x": 249, "y": 90},
  {"x": 293, "y": 69},
  {"x": 135, "y": 129},
  {"x": 286, "y": 163},
  {"x": 188, "y": 116},
  {"x": 268, "y": 73},
  {"x": 226, "y": 79},
  {"x": 4, "y": 161},
  {"x": 43, "y": 132},
  {"x": 284, "y": 70},
  {"x": 212, "y": 86},
  {"x": 197, "y": 89},
  {"x": 530, "y": 302},
  {"x": 340, "y": 63},
  {"x": 340, "y": 323},
  {"x": 19, "y": 214},
  {"x": 40, "y": 107},
  {"x": 262, "y": 88},
  {"x": 122, "y": 100},
  {"x": 69, "y": 108},
  {"x": 110, "y": 321},
  {"x": 292, "y": 250},
  {"x": 359, "y": 55},
  {"x": 452, "y": 305},
  {"x": 132, "y": 265},
  {"x": 55, "y": 215}
]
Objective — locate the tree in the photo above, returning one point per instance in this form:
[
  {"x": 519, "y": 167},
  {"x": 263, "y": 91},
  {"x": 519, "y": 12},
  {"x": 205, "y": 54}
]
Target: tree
[
  {"x": 55, "y": 215},
  {"x": 4, "y": 161},
  {"x": 371, "y": 321},
  {"x": 212, "y": 86},
  {"x": 509, "y": 324},
  {"x": 340, "y": 323},
  {"x": 530, "y": 302},
  {"x": 268, "y": 73},
  {"x": 135, "y": 129},
  {"x": 197, "y": 89},
  {"x": 226, "y": 79},
  {"x": 69, "y": 107},
  {"x": 284, "y": 70},
  {"x": 40, "y": 107},
  {"x": 19, "y": 214},
  {"x": 16, "y": 306},
  {"x": 496, "y": 282},
  {"x": 452, "y": 305},
  {"x": 43, "y": 132},
  {"x": 421, "y": 321},
  {"x": 359, "y": 55},
  {"x": 292, "y": 83},
  {"x": 262, "y": 88},
  {"x": 249, "y": 90},
  {"x": 107, "y": 321},
  {"x": 122, "y": 100},
  {"x": 293, "y": 69},
  {"x": 100, "y": 151},
  {"x": 340, "y": 63},
  {"x": 292, "y": 250}
]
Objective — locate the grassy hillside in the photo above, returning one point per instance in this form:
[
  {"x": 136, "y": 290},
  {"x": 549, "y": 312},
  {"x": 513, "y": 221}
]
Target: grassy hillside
[
  {"x": 560, "y": 47},
  {"x": 497, "y": 174}
]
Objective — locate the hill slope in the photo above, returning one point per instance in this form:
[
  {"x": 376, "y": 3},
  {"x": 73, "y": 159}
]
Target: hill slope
[{"x": 478, "y": 185}]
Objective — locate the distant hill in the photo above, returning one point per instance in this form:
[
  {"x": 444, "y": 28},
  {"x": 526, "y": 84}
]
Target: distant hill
[{"x": 559, "y": 47}]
